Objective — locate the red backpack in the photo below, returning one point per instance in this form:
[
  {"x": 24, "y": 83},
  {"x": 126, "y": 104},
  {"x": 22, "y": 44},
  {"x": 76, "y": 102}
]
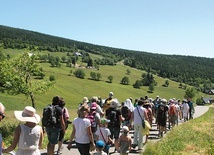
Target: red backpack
[{"x": 172, "y": 110}]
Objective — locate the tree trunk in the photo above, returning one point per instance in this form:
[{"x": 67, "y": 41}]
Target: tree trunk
[{"x": 32, "y": 99}]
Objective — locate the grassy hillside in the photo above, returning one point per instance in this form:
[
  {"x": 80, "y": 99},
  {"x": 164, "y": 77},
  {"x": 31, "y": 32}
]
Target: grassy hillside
[{"x": 73, "y": 89}]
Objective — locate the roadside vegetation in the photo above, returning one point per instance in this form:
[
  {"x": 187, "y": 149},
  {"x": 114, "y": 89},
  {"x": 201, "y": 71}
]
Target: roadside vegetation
[{"x": 194, "y": 137}]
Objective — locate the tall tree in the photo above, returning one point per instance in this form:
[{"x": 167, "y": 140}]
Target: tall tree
[{"x": 17, "y": 76}]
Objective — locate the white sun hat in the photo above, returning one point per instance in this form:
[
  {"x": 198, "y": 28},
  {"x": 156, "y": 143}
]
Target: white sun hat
[{"x": 27, "y": 115}]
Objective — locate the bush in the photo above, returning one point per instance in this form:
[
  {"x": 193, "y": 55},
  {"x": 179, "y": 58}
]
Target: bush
[{"x": 52, "y": 78}]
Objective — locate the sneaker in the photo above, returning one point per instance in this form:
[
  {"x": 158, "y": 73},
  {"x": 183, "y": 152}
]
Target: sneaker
[
  {"x": 116, "y": 151},
  {"x": 134, "y": 145}
]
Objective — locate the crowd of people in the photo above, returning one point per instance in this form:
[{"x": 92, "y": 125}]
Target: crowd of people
[{"x": 98, "y": 126}]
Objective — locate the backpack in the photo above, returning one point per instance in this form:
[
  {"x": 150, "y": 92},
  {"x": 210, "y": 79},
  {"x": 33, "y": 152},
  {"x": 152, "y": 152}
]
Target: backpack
[
  {"x": 113, "y": 118},
  {"x": 91, "y": 117},
  {"x": 125, "y": 112},
  {"x": 49, "y": 116},
  {"x": 172, "y": 110}
]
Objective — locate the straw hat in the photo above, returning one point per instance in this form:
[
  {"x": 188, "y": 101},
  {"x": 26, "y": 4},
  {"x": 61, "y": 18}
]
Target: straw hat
[{"x": 27, "y": 115}]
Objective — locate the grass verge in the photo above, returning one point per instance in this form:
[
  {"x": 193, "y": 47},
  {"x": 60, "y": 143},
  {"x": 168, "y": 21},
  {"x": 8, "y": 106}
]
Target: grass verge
[{"x": 195, "y": 137}]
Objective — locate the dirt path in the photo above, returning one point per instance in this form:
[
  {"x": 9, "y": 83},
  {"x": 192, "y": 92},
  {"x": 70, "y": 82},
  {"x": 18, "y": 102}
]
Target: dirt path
[{"x": 199, "y": 110}]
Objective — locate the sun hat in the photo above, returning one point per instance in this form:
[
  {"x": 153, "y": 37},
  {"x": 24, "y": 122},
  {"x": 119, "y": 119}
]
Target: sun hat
[
  {"x": 164, "y": 100},
  {"x": 100, "y": 144},
  {"x": 103, "y": 121},
  {"x": 114, "y": 104},
  {"x": 93, "y": 106},
  {"x": 111, "y": 94},
  {"x": 27, "y": 115},
  {"x": 125, "y": 128}
]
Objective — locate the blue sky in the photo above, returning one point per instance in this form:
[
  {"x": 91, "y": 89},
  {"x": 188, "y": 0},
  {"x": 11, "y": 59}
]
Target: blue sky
[{"x": 181, "y": 27}]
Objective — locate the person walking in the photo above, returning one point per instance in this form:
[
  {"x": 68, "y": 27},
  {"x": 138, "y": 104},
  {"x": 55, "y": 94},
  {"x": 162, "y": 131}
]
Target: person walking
[
  {"x": 139, "y": 114},
  {"x": 147, "y": 106},
  {"x": 108, "y": 101},
  {"x": 103, "y": 134},
  {"x": 53, "y": 130},
  {"x": 115, "y": 117},
  {"x": 81, "y": 132},
  {"x": 28, "y": 136},
  {"x": 125, "y": 141},
  {"x": 162, "y": 117},
  {"x": 65, "y": 118},
  {"x": 185, "y": 110},
  {"x": 99, "y": 148}
]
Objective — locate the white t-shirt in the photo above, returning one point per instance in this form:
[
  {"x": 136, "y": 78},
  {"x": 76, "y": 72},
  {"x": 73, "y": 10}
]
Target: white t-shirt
[
  {"x": 137, "y": 118},
  {"x": 81, "y": 134},
  {"x": 105, "y": 131}
]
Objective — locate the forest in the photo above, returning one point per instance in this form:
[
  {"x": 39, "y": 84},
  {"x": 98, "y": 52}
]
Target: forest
[{"x": 195, "y": 71}]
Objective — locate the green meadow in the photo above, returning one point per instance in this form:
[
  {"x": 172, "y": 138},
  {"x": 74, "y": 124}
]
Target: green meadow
[{"x": 73, "y": 89}]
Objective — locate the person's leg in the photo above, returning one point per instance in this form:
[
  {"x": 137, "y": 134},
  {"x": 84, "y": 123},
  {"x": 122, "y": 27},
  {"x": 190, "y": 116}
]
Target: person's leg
[
  {"x": 116, "y": 136},
  {"x": 140, "y": 142},
  {"x": 83, "y": 148},
  {"x": 53, "y": 136},
  {"x": 50, "y": 148},
  {"x": 136, "y": 132},
  {"x": 61, "y": 137}
]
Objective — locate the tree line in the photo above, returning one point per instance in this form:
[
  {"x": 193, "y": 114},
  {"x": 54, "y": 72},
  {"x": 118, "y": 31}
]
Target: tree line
[{"x": 191, "y": 70}]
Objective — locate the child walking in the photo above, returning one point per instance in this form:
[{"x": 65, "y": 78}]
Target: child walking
[
  {"x": 99, "y": 148},
  {"x": 103, "y": 134},
  {"x": 125, "y": 141}
]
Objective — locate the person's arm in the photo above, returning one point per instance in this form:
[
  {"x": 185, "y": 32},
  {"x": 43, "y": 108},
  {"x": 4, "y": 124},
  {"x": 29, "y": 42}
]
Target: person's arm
[
  {"x": 145, "y": 115},
  {"x": 41, "y": 138},
  {"x": 119, "y": 141},
  {"x": 130, "y": 143},
  {"x": 89, "y": 132},
  {"x": 131, "y": 120},
  {"x": 110, "y": 140},
  {"x": 62, "y": 122},
  {"x": 71, "y": 137},
  {"x": 15, "y": 140},
  {"x": 121, "y": 118}
]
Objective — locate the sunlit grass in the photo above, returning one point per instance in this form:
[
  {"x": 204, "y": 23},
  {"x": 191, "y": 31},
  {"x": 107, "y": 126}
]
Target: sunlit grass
[{"x": 195, "y": 137}]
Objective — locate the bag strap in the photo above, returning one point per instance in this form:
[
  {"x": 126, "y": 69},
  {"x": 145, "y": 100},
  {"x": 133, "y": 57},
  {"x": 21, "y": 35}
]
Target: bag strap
[
  {"x": 102, "y": 135},
  {"x": 139, "y": 114}
]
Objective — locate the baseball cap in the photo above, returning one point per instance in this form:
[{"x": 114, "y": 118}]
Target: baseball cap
[
  {"x": 104, "y": 121},
  {"x": 100, "y": 144}
]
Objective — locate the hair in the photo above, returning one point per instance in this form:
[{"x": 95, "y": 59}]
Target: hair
[
  {"x": 81, "y": 112},
  {"x": 55, "y": 100},
  {"x": 94, "y": 99},
  {"x": 141, "y": 102},
  {"x": 61, "y": 103}
]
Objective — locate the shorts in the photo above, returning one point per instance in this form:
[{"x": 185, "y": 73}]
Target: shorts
[
  {"x": 172, "y": 119},
  {"x": 53, "y": 135},
  {"x": 115, "y": 132},
  {"x": 61, "y": 135}
]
